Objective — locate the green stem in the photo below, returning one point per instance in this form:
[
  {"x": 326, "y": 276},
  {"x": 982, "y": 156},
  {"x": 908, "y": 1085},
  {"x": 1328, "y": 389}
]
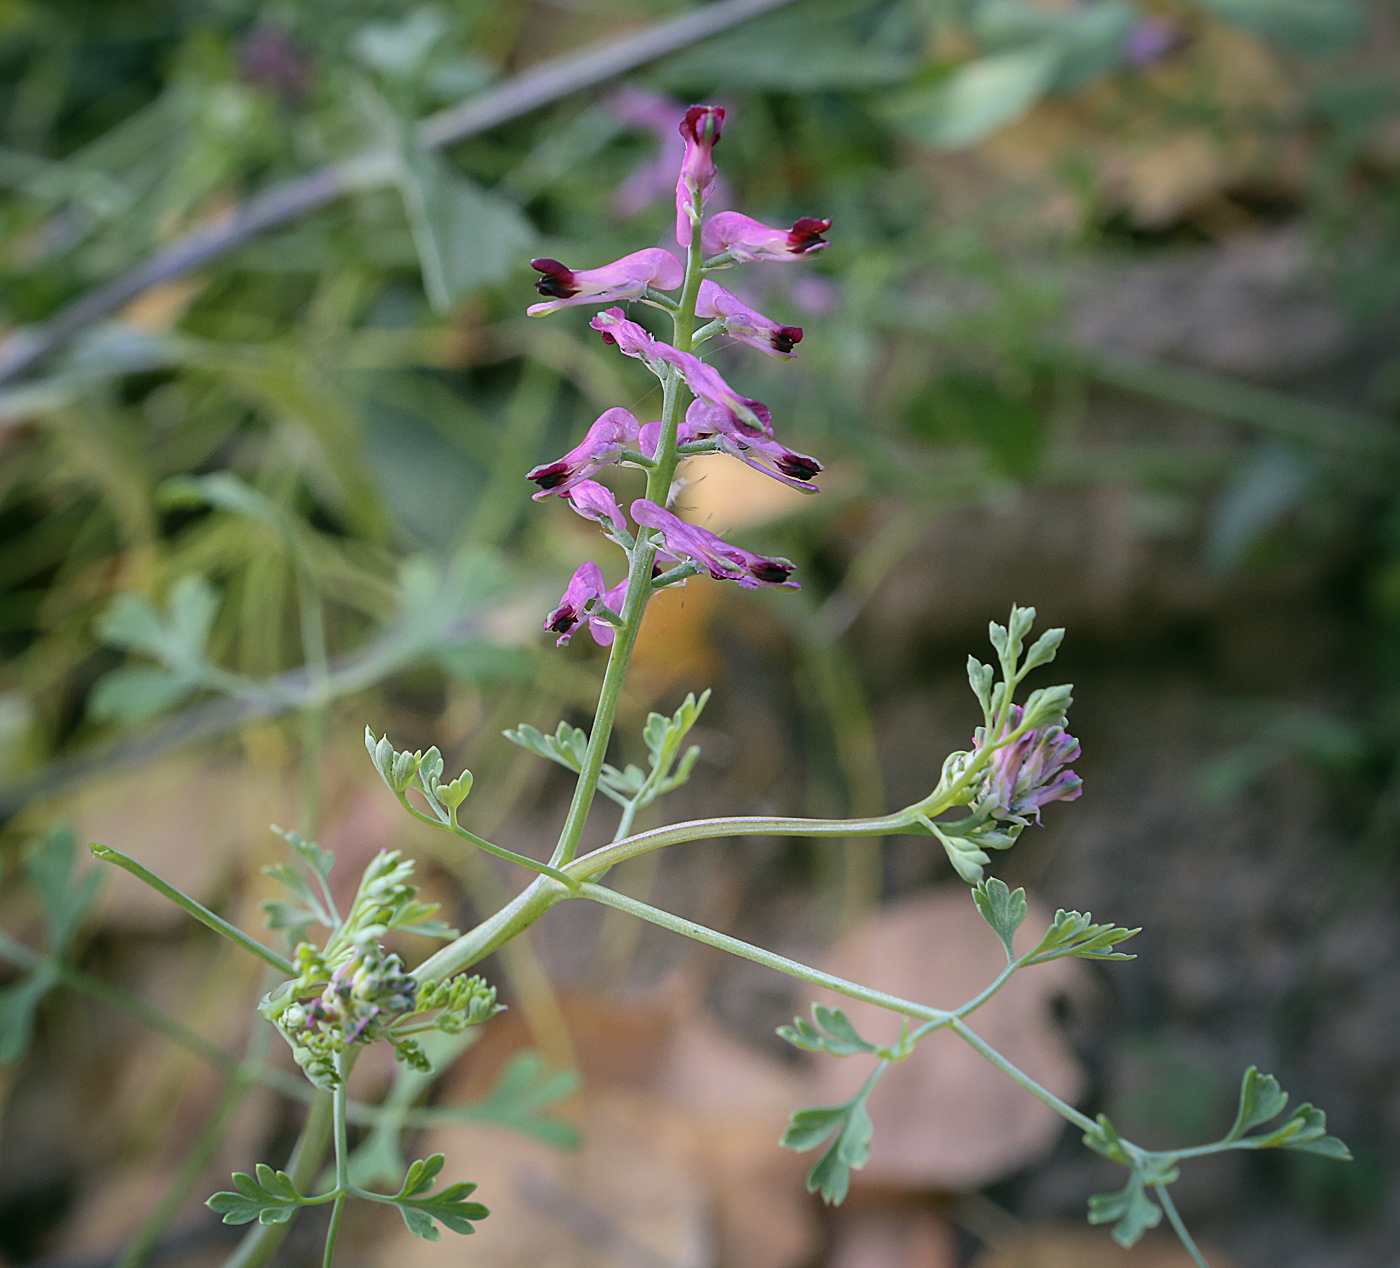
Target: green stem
[
  {"x": 641, "y": 558},
  {"x": 341, "y": 1134},
  {"x": 746, "y": 950},
  {"x": 205, "y": 917},
  {"x": 259, "y": 1244},
  {"x": 1017, "y": 1076},
  {"x": 1179, "y": 1226},
  {"x": 492, "y": 933},
  {"x": 510, "y": 856},
  {"x": 600, "y": 860}
]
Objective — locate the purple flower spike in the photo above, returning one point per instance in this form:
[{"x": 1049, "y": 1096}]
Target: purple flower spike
[
  {"x": 627, "y": 278},
  {"x": 585, "y": 588},
  {"x": 744, "y": 323},
  {"x": 1028, "y": 774},
  {"x": 723, "y": 561},
  {"x": 701, "y": 129},
  {"x": 747, "y": 239},
  {"x": 601, "y": 445},
  {"x": 594, "y": 502}
]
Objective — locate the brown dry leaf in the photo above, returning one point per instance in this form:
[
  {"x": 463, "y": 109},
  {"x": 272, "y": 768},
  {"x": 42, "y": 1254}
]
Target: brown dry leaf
[
  {"x": 726, "y": 1106},
  {"x": 897, "y": 1237},
  {"x": 944, "y": 1118},
  {"x": 711, "y": 1106},
  {"x": 621, "y": 1202},
  {"x": 1069, "y": 1246}
]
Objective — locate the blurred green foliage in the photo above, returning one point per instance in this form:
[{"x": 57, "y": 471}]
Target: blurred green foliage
[{"x": 355, "y": 385}]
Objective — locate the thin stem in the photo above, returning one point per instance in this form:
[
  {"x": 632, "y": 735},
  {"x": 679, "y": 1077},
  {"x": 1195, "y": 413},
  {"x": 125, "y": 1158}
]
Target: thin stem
[
  {"x": 341, "y": 1136},
  {"x": 746, "y": 950},
  {"x": 600, "y": 860},
  {"x": 1179, "y": 1225},
  {"x": 259, "y": 1244},
  {"x": 492, "y": 933},
  {"x": 205, "y": 917},
  {"x": 500, "y": 851},
  {"x": 333, "y": 1230},
  {"x": 642, "y": 556},
  {"x": 1016, "y": 1075}
]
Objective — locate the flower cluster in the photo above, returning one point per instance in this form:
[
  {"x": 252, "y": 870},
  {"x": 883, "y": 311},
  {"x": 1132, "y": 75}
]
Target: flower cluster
[
  {"x": 1027, "y": 773},
  {"x": 719, "y": 419},
  {"x": 369, "y": 987}
]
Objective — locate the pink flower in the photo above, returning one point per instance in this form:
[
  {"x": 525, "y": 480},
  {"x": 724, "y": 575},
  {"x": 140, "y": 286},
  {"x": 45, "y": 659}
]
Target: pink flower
[
  {"x": 631, "y": 339},
  {"x": 745, "y": 324},
  {"x": 594, "y": 502},
  {"x": 601, "y": 445},
  {"x": 747, "y": 239},
  {"x": 1025, "y": 775},
  {"x": 701, "y": 129},
  {"x": 583, "y": 595},
  {"x": 705, "y": 381},
  {"x": 723, "y": 561},
  {"x": 762, "y": 453},
  {"x": 627, "y": 278}
]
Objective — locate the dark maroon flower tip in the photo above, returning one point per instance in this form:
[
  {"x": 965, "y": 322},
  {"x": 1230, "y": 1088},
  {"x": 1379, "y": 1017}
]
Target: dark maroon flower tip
[
  {"x": 692, "y": 129},
  {"x": 557, "y": 282},
  {"x": 806, "y": 235},
  {"x": 785, "y": 338},
  {"x": 799, "y": 466},
  {"x": 562, "y": 621},
  {"x": 770, "y": 571},
  {"x": 551, "y": 476}
]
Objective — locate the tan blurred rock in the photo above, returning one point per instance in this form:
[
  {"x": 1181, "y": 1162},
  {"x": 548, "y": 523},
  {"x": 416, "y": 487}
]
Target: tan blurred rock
[
  {"x": 621, "y": 1202},
  {"x": 945, "y": 1118},
  {"x": 899, "y": 1237}
]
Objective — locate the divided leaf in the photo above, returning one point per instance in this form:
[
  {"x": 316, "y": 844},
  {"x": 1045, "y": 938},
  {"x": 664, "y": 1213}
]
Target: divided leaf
[
  {"x": 1074, "y": 933},
  {"x": 1131, "y": 1211},
  {"x": 981, "y": 677},
  {"x": 522, "y": 1094},
  {"x": 270, "y": 1199},
  {"x": 449, "y": 1207},
  {"x": 849, "y": 1150},
  {"x": 1002, "y": 908},
  {"x": 833, "y": 1034},
  {"x": 1043, "y": 650},
  {"x": 63, "y": 897},
  {"x": 568, "y": 745},
  {"x": 1261, "y": 1099},
  {"x": 1305, "y": 1129}
]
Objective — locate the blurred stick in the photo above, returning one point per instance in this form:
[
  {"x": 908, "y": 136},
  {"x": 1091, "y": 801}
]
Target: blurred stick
[{"x": 550, "y": 81}]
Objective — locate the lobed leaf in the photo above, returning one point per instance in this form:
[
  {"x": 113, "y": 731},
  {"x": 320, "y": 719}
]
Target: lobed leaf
[
  {"x": 1074, "y": 933},
  {"x": 1002, "y": 908}
]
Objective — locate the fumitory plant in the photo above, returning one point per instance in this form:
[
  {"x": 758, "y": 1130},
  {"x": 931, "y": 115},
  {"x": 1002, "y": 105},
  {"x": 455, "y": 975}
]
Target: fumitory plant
[{"x": 346, "y": 990}]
